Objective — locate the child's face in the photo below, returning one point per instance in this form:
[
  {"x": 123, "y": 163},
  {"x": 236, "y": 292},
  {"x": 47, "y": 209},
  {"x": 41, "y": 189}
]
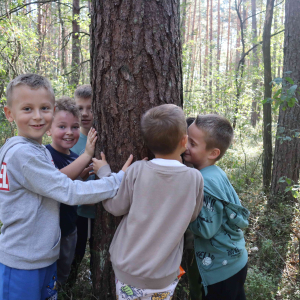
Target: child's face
[
  {"x": 32, "y": 110},
  {"x": 65, "y": 131},
  {"x": 85, "y": 108},
  {"x": 196, "y": 152}
]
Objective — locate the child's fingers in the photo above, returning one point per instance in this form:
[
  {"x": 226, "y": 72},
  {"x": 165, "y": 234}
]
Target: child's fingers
[
  {"x": 129, "y": 161},
  {"x": 94, "y": 140},
  {"x": 103, "y": 156}
]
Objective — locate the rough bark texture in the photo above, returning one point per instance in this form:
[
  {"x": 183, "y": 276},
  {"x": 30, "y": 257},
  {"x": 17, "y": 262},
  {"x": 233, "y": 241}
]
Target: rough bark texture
[
  {"x": 255, "y": 64},
  {"x": 75, "y": 44},
  {"x": 228, "y": 36},
  {"x": 267, "y": 112},
  {"x": 135, "y": 65},
  {"x": 287, "y": 153}
]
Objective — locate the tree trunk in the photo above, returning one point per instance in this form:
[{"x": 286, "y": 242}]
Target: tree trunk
[
  {"x": 267, "y": 112},
  {"x": 135, "y": 65},
  {"x": 255, "y": 64},
  {"x": 183, "y": 20},
  {"x": 228, "y": 37},
  {"x": 210, "y": 54},
  {"x": 75, "y": 44},
  {"x": 206, "y": 42},
  {"x": 287, "y": 152},
  {"x": 63, "y": 42}
]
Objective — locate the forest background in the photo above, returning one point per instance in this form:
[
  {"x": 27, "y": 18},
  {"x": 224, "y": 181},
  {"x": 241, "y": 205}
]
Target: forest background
[{"x": 224, "y": 71}]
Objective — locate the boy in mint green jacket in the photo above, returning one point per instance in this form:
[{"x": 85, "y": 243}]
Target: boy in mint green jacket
[{"x": 219, "y": 240}]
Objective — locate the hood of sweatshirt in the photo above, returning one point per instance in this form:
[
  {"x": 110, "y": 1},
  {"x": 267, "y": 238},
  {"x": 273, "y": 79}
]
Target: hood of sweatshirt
[
  {"x": 217, "y": 185},
  {"x": 14, "y": 141}
]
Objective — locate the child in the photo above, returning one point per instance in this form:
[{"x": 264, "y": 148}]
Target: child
[
  {"x": 86, "y": 213},
  {"x": 157, "y": 199},
  {"x": 65, "y": 133},
  {"x": 31, "y": 189},
  {"x": 219, "y": 240}
]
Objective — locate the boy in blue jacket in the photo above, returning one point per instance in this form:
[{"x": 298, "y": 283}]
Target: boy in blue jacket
[{"x": 219, "y": 240}]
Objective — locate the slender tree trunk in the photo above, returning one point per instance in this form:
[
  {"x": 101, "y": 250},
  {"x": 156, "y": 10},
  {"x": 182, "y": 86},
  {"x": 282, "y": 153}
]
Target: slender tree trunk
[
  {"x": 200, "y": 44},
  {"x": 39, "y": 31},
  {"x": 238, "y": 39},
  {"x": 195, "y": 47},
  {"x": 183, "y": 20},
  {"x": 287, "y": 152},
  {"x": 267, "y": 112},
  {"x": 255, "y": 64},
  {"x": 135, "y": 65},
  {"x": 206, "y": 42},
  {"x": 75, "y": 44},
  {"x": 210, "y": 53},
  {"x": 228, "y": 36},
  {"x": 63, "y": 34}
]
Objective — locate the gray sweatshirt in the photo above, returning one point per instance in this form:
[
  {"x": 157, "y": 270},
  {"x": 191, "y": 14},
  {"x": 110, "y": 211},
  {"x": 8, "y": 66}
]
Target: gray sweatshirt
[
  {"x": 30, "y": 191},
  {"x": 158, "y": 203}
]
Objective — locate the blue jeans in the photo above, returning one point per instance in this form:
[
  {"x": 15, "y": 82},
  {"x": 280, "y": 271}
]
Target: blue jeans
[{"x": 39, "y": 284}]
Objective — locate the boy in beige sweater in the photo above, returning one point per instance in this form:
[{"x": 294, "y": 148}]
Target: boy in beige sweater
[{"x": 157, "y": 199}]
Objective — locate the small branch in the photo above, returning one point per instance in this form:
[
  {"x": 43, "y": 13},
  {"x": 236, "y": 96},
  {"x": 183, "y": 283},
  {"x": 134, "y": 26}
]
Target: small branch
[
  {"x": 262, "y": 11},
  {"x": 74, "y": 69},
  {"x": 24, "y": 5}
]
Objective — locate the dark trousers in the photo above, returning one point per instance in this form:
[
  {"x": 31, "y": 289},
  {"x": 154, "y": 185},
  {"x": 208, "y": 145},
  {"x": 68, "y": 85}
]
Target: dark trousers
[
  {"x": 82, "y": 235},
  {"x": 229, "y": 289}
]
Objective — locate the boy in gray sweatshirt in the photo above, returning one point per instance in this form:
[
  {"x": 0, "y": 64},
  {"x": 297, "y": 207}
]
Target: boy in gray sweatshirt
[
  {"x": 31, "y": 189},
  {"x": 157, "y": 199}
]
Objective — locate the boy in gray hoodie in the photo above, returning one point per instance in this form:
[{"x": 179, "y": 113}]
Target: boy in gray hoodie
[{"x": 31, "y": 189}]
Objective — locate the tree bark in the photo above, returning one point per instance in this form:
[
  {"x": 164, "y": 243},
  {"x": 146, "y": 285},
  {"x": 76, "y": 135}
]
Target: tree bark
[
  {"x": 183, "y": 20},
  {"x": 255, "y": 64},
  {"x": 267, "y": 112},
  {"x": 228, "y": 37},
  {"x": 287, "y": 152},
  {"x": 135, "y": 65},
  {"x": 63, "y": 42},
  {"x": 75, "y": 44}
]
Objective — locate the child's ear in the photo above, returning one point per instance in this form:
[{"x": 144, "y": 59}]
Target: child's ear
[
  {"x": 184, "y": 141},
  {"x": 8, "y": 114},
  {"x": 214, "y": 153},
  {"x": 49, "y": 132}
]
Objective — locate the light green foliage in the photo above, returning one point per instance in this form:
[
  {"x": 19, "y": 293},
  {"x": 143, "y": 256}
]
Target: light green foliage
[{"x": 260, "y": 285}]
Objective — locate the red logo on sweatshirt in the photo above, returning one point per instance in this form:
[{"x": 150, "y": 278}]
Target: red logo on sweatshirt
[{"x": 4, "y": 185}]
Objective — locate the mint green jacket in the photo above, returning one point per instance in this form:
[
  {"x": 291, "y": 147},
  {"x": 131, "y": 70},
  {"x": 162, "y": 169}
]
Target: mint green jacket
[{"x": 219, "y": 240}]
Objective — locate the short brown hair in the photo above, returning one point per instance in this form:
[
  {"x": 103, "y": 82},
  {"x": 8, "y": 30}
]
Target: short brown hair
[
  {"x": 34, "y": 81},
  {"x": 83, "y": 91},
  {"x": 66, "y": 103},
  {"x": 218, "y": 132},
  {"x": 163, "y": 127}
]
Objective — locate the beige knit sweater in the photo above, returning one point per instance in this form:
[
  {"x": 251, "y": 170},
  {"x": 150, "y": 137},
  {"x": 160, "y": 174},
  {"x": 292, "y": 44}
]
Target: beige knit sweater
[{"x": 158, "y": 203}]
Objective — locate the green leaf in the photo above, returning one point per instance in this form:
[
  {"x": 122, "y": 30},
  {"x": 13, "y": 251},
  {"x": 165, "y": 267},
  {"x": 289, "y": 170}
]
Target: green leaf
[
  {"x": 289, "y": 79},
  {"x": 277, "y": 93},
  {"x": 292, "y": 102},
  {"x": 288, "y": 180}
]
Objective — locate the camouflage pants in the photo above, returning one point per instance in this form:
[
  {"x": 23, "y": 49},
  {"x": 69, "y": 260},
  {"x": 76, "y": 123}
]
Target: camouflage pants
[{"x": 128, "y": 292}]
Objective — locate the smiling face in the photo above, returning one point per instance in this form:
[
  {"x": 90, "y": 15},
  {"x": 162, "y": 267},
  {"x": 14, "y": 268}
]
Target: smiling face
[
  {"x": 196, "y": 153},
  {"x": 64, "y": 131},
  {"x": 32, "y": 110},
  {"x": 85, "y": 107}
]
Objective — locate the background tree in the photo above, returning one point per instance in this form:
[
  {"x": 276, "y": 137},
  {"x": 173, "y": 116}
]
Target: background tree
[
  {"x": 287, "y": 147},
  {"x": 267, "y": 113},
  {"x": 135, "y": 64}
]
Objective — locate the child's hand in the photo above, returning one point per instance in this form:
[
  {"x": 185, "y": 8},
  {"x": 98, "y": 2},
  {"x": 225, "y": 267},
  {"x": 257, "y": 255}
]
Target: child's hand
[
  {"x": 98, "y": 163},
  {"x": 128, "y": 163},
  {"x": 91, "y": 142},
  {"x": 86, "y": 173}
]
